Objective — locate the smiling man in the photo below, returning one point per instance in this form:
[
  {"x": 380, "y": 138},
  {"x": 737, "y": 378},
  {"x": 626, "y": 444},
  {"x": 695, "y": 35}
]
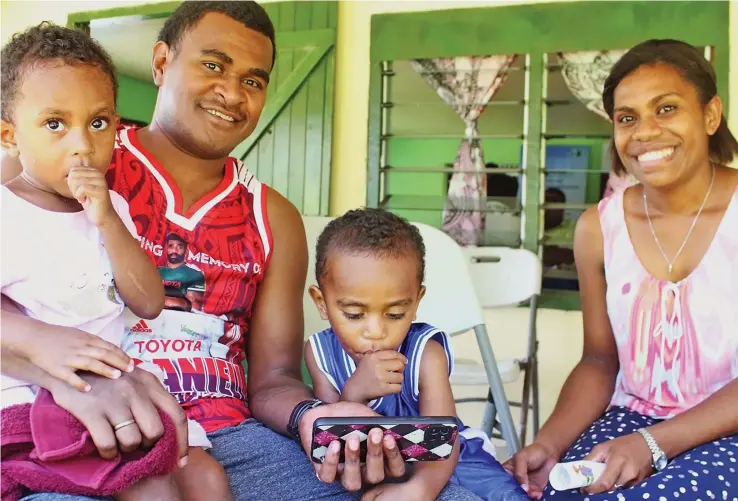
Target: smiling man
[{"x": 212, "y": 65}]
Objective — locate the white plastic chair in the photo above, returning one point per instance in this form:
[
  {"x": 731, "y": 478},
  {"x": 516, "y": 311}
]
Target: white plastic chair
[
  {"x": 450, "y": 304},
  {"x": 506, "y": 277},
  {"x": 314, "y": 225}
]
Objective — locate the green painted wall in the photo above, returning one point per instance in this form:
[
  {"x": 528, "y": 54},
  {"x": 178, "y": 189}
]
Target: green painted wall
[
  {"x": 547, "y": 27},
  {"x": 405, "y": 187},
  {"x": 136, "y": 99},
  {"x": 293, "y": 155}
]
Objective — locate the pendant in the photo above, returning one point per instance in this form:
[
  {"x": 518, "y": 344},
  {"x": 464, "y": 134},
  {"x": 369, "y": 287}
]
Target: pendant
[{"x": 670, "y": 270}]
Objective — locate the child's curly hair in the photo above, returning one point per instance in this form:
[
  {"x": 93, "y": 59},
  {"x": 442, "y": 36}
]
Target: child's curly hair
[
  {"x": 45, "y": 43},
  {"x": 373, "y": 232}
]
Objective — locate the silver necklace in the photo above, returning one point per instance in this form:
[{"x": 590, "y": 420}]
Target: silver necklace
[{"x": 694, "y": 223}]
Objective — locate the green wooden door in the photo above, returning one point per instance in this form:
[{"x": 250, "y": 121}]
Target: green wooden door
[{"x": 290, "y": 150}]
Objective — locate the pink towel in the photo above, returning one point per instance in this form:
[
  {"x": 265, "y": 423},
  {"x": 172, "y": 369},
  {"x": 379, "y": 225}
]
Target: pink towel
[{"x": 46, "y": 449}]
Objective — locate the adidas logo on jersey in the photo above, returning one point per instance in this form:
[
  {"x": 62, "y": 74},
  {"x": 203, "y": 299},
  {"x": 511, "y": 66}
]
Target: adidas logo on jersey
[{"x": 141, "y": 326}]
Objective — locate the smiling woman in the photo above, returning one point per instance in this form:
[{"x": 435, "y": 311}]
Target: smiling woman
[
  {"x": 689, "y": 80},
  {"x": 658, "y": 285}
]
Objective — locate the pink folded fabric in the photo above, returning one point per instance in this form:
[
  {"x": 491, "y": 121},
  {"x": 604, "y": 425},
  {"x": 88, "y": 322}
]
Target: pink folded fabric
[{"x": 46, "y": 449}]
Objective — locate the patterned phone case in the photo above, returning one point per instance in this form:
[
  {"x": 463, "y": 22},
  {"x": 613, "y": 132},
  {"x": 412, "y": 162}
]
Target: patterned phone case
[{"x": 419, "y": 439}]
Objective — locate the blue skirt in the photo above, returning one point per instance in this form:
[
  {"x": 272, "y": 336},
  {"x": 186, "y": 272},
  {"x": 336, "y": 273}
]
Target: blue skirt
[{"x": 706, "y": 473}]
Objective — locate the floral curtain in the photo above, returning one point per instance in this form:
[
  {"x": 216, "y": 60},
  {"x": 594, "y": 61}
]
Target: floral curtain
[
  {"x": 466, "y": 84},
  {"x": 585, "y": 74}
]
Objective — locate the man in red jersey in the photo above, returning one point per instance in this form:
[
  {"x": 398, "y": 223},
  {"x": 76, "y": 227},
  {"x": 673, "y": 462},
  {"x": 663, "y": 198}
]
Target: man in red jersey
[{"x": 212, "y": 65}]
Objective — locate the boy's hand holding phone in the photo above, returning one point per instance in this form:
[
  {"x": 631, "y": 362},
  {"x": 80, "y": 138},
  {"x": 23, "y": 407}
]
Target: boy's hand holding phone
[{"x": 377, "y": 374}]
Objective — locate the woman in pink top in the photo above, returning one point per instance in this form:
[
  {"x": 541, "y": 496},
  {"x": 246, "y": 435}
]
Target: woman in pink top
[{"x": 655, "y": 394}]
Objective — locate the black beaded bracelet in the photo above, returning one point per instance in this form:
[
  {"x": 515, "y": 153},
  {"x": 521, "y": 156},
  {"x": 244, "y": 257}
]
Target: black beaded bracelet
[{"x": 293, "y": 427}]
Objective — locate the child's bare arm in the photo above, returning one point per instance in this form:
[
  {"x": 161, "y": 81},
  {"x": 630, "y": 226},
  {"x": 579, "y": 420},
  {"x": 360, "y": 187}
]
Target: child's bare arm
[
  {"x": 323, "y": 389},
  {"x": 136, "y": 277},
  {"x": 203, "y": 479}
]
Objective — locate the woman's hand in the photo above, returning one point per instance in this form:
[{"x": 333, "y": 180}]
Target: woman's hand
[
  {"x": 531, "y": 466},
  {"x": 628, "y": 461}
]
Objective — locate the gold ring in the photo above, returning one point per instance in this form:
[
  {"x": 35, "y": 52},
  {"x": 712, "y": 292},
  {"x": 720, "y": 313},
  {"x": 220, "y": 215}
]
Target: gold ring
[{"x": 124, "y": 424}]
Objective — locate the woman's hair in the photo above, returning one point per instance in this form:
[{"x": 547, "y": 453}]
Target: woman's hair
[{"x": 693, "y": 66}]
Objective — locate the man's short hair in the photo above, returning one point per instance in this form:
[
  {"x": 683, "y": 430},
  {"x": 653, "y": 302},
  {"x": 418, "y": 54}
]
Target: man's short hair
[{"x": 188, "y": 14}]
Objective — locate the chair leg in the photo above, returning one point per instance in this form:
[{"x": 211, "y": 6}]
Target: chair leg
[
  {"x": 525, "y": 403},
  {"x": 490, "y": 415},
  {"x": 536, "y": 397},
  {"x": 498, "y": 391},
  {"x": 533, "y": 362}
]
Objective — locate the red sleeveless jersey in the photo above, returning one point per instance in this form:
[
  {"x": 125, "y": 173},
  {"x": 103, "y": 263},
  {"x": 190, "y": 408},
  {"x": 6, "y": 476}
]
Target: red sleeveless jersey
[{"x": 212, "y": 259}]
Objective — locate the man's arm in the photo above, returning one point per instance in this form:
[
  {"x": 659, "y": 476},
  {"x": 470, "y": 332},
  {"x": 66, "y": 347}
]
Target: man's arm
[
  {"x": 13, "y": 362},
  {"x": 136, "y": 394},
  {"x": 276, "y": 326},
  {"x": 29, "y": 345}
]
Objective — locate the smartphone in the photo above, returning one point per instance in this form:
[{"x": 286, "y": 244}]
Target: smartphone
[{"x": 424, "y": 438}]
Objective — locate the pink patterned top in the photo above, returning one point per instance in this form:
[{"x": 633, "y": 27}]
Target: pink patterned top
[{"x": 677, "y": 342}]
